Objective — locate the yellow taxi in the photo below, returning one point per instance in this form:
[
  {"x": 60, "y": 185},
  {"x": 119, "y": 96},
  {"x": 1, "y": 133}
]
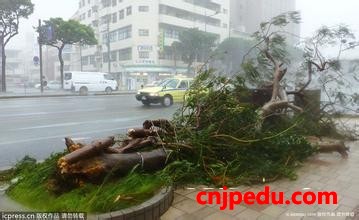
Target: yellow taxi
[{"x": 167, "y": 92}]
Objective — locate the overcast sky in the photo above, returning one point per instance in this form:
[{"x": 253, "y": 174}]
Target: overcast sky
[{"x": 315, "y": 13}]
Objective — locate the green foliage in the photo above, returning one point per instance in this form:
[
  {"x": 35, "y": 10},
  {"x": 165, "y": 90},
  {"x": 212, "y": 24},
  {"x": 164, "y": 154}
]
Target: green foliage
[
  {"x": 35, "y": 179},
  {"x": 216, "y": 138},
  {"x": 70, "y": 32},
  {"x": 194, "y": 44},
  {"x": 231, "y": 51},
  {"x": 11, "y": 11},
  {"x": 270, "y": 39}
]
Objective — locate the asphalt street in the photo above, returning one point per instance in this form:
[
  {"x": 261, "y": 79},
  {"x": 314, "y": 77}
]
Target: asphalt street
[{"x": 37, "y": 126}]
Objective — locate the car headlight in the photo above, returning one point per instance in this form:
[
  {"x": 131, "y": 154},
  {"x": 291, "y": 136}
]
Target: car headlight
[
  {"x": 138, "y": 93},
  {"x": 154, "y": 94}
]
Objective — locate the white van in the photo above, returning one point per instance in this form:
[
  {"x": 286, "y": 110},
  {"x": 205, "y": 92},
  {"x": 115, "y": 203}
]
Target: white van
[{"x": 85, "y": 82}]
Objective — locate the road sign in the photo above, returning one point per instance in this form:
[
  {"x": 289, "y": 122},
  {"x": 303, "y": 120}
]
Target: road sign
[{"x": 36, "y": 60}]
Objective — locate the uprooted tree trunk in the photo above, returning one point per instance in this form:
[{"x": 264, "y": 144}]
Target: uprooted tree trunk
[
  {"x": 142, "y": 148},
  {"x": 279, "y": 100},
  {"x": 329, "y": 145}
]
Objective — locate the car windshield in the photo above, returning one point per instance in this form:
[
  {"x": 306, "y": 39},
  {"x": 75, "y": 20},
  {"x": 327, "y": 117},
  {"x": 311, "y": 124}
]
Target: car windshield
[
  {"x": 169, "y": 83},
  {"x": 68, "y": 76}
]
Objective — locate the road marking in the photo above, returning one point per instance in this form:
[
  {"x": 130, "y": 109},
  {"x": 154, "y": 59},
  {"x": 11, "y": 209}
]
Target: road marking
[
  {"x": 49, "y": 113},
  {"x": 66, "y": 135},
  {"x": 69, "y": 124}
]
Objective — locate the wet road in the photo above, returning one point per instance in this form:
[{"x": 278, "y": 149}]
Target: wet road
[{"x": 37, "y": 126}]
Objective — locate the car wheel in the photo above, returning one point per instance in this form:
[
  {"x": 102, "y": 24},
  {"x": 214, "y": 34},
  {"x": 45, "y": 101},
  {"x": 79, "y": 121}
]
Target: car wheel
[
  {"x": 146, "y": 103},
  {"x": 83, "y": 90},
  {"x": 167, "y": 101},
  {"x": 108, "y": 90}
]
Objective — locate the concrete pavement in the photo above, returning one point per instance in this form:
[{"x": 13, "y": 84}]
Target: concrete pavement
[{"x": 324, "y": 172}]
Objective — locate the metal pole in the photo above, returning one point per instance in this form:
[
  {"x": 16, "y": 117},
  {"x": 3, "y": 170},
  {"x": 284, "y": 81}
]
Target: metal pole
[
  {"x": 40, "y": 54},
  {"x": 81, "y": 64},
  {"x": 109, "y": 47}
]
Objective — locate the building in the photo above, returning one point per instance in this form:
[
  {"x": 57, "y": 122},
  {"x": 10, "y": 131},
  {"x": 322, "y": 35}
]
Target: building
[
  {"x": 135, "y": 36},
  {"x": 246, "y": 15}
]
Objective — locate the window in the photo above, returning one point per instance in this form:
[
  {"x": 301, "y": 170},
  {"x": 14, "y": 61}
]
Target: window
[
  {"x": 113, "y": 36},
  {"x": 114, "y": 17},
  {"x": 95, "y": 9},
  {"x": 144, "y": 54},
  {"x": 183, "y": 85},
  {"x": 92, "y": 60},
  {"x": 114, "y": 3},
  {"x": 143, "y": 8},
  {"x": 89, "y": 1},
  {"x": 89, "y": 13},
  {"x": 171, "y": 84},
  {"x": 85, "y": 60},
  {"x": 125, "y": 33},
  {"x": 105, "y": 57},
  {"x": 129, "y": 11},
  {"x": 105, "y": 19},
  {"x": 106, "y": 3},
  {"x": 143, "y": 32},
  {"x": 122, "y": 14},
  {"x": 95, "y": 23},
  {"x": 113, "y": 56},
  {"x": 108, "y": 77},
  {"x": 125, "y": 54}
]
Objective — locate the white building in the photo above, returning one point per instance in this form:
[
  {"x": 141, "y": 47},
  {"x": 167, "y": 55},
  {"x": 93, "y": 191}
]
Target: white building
[
  {"x": 141, "y": 33},
  {"x": 246, "y": 15}
]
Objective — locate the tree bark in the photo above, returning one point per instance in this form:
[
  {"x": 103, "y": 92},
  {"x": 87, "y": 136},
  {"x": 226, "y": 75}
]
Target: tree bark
[
  {"x": 329, "y": 145},
  {"x": 103, "y": 164},
  {"x": 3, "y": 65},
  {"x": 138, "y": 144},
  {"x": 143, "y": 133},
  {"x": 88, "y": 151},
  {"x": 61, "y": 65}
]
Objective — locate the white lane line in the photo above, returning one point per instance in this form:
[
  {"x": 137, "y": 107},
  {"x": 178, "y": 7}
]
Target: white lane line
[
  {"x": 65, "y": 135},
  {"x": 48, "y": 126},
  {"x": 49, "y": 113},
  {"x": 69, "y": 124}
]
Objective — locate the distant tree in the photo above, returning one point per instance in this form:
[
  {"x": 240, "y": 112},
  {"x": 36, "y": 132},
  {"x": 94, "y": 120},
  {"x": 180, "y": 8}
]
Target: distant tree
[
  {"x": 67, "y": 33},
  {"x": 193, "y": 45},
  {"x": 231, "y": 51},
  {"x": 11, "y": 11}
]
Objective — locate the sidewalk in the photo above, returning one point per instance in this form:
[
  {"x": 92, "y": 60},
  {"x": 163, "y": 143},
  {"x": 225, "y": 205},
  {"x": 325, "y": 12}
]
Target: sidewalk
[{"x": 324, "y": 172}]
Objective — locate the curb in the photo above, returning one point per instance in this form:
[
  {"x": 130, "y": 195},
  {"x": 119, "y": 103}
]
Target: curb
[
  {"x": 64, "y": 95},
  {"x": 152, "y": 209}
]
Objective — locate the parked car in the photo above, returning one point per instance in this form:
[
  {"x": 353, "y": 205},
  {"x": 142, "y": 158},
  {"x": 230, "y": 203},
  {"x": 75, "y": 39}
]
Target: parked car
[
  {"x": 168, "y": 92},
  {"x": 84, "y": 82},
  {"x": 54, "y": 85}
]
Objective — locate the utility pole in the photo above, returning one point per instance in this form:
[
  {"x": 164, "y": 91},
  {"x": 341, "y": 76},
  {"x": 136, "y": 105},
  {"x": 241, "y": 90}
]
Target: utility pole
[
  {"x": 40, "y": 55},
  {"x": 81, "y": 64},
  {"x": 109, "y": 45}
]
